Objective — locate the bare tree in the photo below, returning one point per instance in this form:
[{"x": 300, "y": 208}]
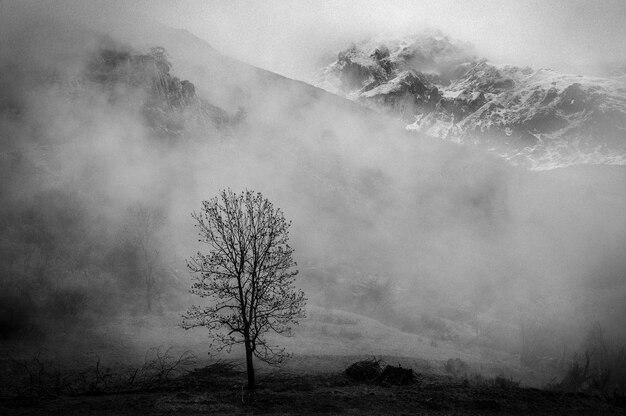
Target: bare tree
[{"x": 248, "y": 274}]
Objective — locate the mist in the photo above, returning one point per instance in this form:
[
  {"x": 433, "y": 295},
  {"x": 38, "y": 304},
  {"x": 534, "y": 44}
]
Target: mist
[
  {"x": 569, "y": 36},
  {"x": 101, "y": 172}
]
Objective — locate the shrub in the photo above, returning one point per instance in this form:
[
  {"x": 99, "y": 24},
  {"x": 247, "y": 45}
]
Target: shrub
[
  {"x": 370, "y": 371},
  {"x": 602, "y": 371},
  {"x": 366, "y": 370},
  {"x": 504, "y": 383},
  {"x": 396, "y": 376}
]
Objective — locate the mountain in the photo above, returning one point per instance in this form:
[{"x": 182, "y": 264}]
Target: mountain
[
  {"x": 170, "y": 106},
  {"x": 112, "y": 133},
  {"x": 540, "y": 119}
]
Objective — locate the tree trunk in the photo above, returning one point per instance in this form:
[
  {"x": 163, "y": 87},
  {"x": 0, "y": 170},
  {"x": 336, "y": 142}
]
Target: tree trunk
[{"x": 249, "y": 365}]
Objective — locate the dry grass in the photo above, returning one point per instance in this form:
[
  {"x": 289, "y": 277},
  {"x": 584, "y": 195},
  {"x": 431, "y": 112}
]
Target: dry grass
[{"x": 217, "y": 389}]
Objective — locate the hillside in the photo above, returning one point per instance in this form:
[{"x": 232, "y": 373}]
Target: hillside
[{"x": 408, "y": 245}]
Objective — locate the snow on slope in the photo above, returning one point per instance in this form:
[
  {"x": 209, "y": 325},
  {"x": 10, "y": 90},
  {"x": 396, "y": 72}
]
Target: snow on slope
[{"x": 539, "y": 119}]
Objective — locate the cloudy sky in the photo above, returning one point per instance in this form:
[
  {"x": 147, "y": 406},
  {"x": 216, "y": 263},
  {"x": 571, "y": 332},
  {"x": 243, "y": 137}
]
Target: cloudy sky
[{"x": 288, "y": 37}]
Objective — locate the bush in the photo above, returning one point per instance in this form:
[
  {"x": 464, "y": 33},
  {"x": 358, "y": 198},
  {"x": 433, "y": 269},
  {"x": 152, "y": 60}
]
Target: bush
[
  {"x": 499, "y": 382},
  {"x": 40, "y": 378},
  {"x": 396, "y": 376},
  {"x": 366, "y": 370},
  {"x": 577, "y": 375},
  {"x": 370, "y": 371},
  {"x": 601, "y": 369},
  {"x": 504, "y": 383}
]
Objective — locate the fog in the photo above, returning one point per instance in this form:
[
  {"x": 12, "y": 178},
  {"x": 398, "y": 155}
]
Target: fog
[
  {"x": 579, "y": 36},
  {"x": 100, "y": 178}
]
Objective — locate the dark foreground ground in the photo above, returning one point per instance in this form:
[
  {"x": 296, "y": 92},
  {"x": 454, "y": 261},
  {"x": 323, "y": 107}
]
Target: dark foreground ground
[{"x": 218, "y": 390}]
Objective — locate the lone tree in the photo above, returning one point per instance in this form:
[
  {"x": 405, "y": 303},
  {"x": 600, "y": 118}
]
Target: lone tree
[{"x": 248, "y": 274}]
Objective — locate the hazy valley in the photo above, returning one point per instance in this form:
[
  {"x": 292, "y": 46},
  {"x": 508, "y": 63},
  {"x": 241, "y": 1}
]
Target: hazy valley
[{"x": 450, "y": 215}]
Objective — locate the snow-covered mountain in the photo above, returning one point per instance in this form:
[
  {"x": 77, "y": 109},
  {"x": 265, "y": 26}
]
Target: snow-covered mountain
[{"x": 536, "y": 118}]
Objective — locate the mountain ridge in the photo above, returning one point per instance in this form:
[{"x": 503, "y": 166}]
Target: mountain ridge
[{"x": 538, "y": 119}]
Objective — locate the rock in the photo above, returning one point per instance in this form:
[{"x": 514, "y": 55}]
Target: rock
[
  {"x": 396, "y": 376},
  {"x": 170, "y": 106}
]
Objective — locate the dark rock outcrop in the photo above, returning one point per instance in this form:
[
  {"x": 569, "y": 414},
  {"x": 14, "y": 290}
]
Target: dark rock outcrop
[{"x": 169, "y": 105}]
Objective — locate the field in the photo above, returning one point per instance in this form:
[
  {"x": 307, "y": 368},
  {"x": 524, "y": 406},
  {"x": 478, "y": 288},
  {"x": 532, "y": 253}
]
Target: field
[
  {"x": 218, "y": 389},
  {"x": 118, "y": 379}
]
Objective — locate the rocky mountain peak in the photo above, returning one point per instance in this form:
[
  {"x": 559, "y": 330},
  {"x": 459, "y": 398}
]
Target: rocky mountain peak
[
  {"x": 541, "y": 119},
  {"x": 169, "y": 105}
]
